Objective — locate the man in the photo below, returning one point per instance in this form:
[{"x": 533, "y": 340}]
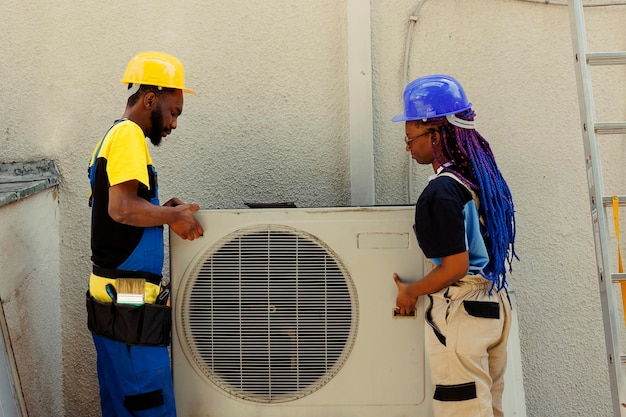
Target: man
[
  {"x": 127, "y": 244},
  {"x": 465, "y": 224}
]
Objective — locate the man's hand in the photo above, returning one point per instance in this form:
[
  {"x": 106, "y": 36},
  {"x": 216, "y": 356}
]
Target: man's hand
[
  {"x": 405, "y": 302},
  {"x": 185, "y": 223}
]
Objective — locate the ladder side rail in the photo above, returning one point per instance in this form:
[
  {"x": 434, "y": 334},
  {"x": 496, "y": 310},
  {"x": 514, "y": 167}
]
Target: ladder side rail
[{"x": 612, "y": 325}]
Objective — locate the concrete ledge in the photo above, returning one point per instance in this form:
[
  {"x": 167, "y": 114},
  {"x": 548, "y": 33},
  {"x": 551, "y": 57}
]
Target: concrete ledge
[{"x": 19, "y": 180}]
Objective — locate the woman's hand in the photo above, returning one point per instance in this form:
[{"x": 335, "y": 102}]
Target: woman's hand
[{"x": 405, "y": 302}]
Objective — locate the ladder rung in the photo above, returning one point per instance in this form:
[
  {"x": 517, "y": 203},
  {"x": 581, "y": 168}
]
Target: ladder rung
[
  {"x": 606, "y": 58},
  {"x": 617, "y": 278},
  {"x": 607, "y": 200},
  {"x": 610, "y": 128}
]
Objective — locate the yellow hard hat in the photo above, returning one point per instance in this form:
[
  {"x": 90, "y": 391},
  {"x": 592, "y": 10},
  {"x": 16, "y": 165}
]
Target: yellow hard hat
[{"x": 158, "y": 69}]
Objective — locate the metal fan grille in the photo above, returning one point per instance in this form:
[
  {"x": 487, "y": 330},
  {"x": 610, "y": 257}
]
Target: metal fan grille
[{"x": 270, "y": 314}]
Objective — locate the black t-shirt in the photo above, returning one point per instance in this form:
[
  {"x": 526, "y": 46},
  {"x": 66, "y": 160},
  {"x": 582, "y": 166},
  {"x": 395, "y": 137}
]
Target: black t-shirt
[{"x": 439, "y": 218}]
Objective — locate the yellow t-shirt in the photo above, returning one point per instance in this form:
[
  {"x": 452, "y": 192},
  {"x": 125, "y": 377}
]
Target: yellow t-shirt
[
  {"x": 122, "y": 155},
  {"x": 126, "y": 152}
]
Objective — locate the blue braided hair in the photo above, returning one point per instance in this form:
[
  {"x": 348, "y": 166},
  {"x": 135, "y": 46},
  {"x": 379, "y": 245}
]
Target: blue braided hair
[{"x": 475, "y": 165}]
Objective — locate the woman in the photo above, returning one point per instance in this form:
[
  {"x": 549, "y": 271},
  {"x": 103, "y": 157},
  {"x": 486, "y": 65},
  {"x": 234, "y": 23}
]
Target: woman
[{"x": 465, "y": 224}]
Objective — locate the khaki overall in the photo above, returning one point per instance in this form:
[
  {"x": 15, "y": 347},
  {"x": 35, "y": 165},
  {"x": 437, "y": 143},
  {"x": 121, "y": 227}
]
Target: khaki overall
[{"x": 467, "y": 348}]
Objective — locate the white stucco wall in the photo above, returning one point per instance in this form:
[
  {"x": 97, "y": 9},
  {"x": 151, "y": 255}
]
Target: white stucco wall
[
  {"x": 270, "y": 123},
  {"x": 31, "y": 296}
]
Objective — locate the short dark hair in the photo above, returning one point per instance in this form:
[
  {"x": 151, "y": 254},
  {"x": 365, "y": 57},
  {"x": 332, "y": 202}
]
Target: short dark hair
[{"x": 145, "y": 89}]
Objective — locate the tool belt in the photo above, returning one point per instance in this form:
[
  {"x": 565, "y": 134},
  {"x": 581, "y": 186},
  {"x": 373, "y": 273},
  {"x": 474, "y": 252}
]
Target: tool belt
[{"x": 146, "y": 324}]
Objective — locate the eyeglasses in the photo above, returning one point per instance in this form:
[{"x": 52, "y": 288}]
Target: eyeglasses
[{"x": 409, "y": 140}]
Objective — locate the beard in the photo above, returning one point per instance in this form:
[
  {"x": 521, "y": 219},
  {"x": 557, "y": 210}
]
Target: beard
[{"x": 156, "y": 120}]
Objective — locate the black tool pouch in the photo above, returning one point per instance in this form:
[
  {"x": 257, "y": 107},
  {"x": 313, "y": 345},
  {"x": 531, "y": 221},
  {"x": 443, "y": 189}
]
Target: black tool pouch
[{"x": 147, "y": 324}]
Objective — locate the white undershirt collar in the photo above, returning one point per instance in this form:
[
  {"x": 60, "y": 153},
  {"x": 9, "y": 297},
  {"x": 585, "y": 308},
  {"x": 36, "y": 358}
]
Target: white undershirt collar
[{"x": 446, "y": 165}]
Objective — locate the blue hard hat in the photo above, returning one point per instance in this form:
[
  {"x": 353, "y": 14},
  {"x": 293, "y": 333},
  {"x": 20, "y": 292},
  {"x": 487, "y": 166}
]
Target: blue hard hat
[{"x": 432, "y": 96}]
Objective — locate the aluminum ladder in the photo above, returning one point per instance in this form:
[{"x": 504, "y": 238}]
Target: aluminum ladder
[{"x": 591, "y": 129}]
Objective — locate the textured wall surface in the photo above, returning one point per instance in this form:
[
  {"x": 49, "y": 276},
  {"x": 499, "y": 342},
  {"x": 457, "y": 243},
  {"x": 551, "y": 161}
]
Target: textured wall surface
[
  {"x": 32, "y": 297},
  {"x": 270, "y": 124}
]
